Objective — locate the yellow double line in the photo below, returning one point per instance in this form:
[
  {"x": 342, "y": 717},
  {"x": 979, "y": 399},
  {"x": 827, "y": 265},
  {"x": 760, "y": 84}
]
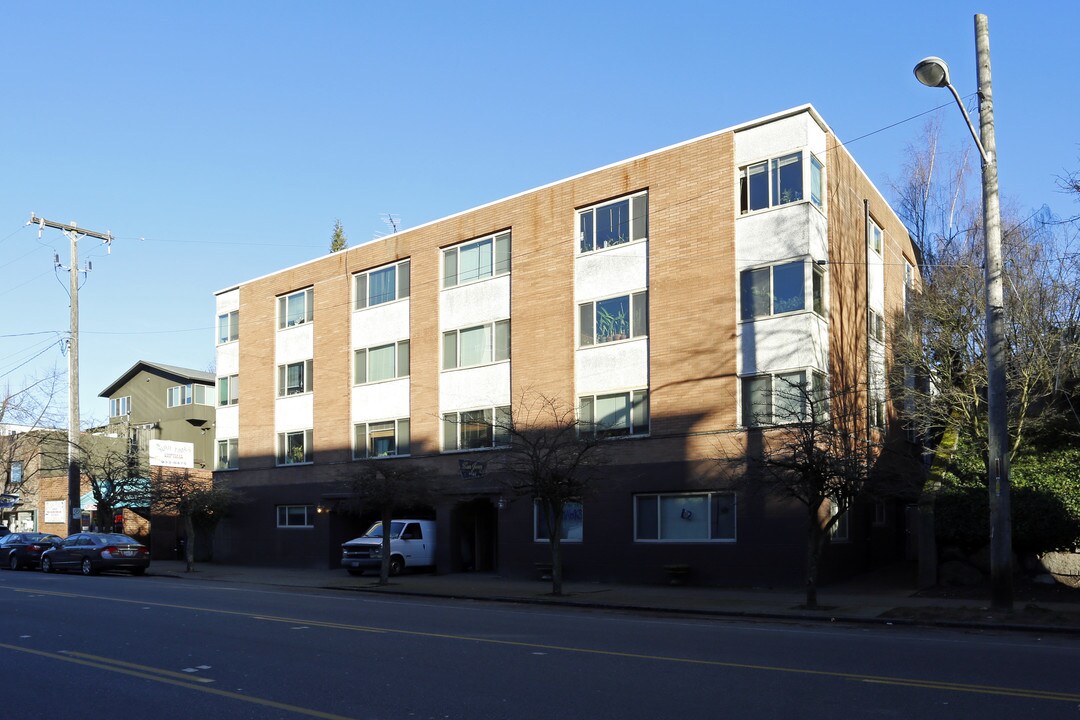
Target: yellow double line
[
  {"x": 167, "y": 677},
  {"x": 855, "y": 677}
]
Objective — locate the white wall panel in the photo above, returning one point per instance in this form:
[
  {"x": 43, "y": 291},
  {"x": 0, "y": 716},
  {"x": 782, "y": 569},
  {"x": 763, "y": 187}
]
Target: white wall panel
[
  {"x": 227, "y": 422},
  {"x": 475, "y": 303},
  {"x": 227, "y": 301},
  {"x": 228, "y": 359},
  {"x": 612, "y": 366},
  {"x": 294, "y": 413},
  {"x": 295, "y": 344},
  {"x": 476, "y": 387},
  {"x": 380, "y": 401},
  {"x": 783, "y": 343},
  {"x": 380, "y": 324},
  {"x": 615, "y": 271}
]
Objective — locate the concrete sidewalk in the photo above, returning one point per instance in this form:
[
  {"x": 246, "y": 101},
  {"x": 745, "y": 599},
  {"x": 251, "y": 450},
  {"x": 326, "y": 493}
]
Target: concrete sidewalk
[{"x": 882, "y": 598}]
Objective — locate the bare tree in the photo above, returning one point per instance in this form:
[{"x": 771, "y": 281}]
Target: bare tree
[
  {"x": 551, "y": 457},
  {"x": 118, "y": 477},
  {"x": 198, "y": 503},
  {"x": 390, "y": 487},
  {"x": 27, "y": 414},
  {"x": 811, "y": 447}
]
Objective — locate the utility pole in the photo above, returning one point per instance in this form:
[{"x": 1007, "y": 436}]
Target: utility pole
[
  {"x": 1001, "y": 568},
  {"x": 74, "y": 234}
]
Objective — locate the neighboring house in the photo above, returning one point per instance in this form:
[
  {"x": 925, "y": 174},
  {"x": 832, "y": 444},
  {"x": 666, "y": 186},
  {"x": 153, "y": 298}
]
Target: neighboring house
[
  {"x": 150, "y": 401},
  {"x": 663, "y": 296}
]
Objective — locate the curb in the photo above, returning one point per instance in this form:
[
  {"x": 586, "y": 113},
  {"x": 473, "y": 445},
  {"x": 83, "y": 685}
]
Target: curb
[{"x": 717, "y": 613}]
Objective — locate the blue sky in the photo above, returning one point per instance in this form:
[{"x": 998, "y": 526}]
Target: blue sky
[{"x": 219, "y": 141}]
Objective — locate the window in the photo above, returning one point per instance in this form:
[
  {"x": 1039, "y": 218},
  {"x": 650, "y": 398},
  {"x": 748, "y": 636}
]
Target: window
[
  {"x": 613, "y": 223},
  {"x": 294, "y": 448},
  {"x": 295, "y": 378},
  {"x": 186, "y": 395},
  {"x": 119, "y": 407},
  {"x": 16, "y": 472},
  {"x": 616, "y": 318},
  {"x": 384, "y": 362},
  {"x": 839, "y": 531},
  {"x": 476, "y": 260},
  {"x": 381, "y": 439},
  {"x": 227, "y": 454},
  {"x": 228, "y": 390},
  {"x": 296, "y": 309},
  {"x": 774, "y": 290},
  {"x": 476, "y": 429},
  {"x": 685, "y": 517},
  {"x": 909, "y": 285},
  {"x": 778, "y": 181},
  {"x": 572, "y": 529},
  {"x": 874, "y": 235},
  {"x": 782, "y": 398},
  {"x": 878, "y": 417},
  {"x": 383, "y": 285},
  {"x": 880, "y": 514},
  {"x": 295, "y": 516},
  {"x": 819, "y": 290},
  {"x": 816, "y": 185},
  {"x": 478, "y": 345},
  {"x": 625, "y": 413},
  {"x": 875, "y": 325},
  {"x": 228, "y": 327}
]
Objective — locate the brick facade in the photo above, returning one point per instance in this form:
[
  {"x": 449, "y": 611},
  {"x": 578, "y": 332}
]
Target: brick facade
[{"x": 692, "y": 367}]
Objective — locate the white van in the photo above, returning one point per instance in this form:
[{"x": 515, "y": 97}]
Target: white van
[{"x": 412, "y": 544}]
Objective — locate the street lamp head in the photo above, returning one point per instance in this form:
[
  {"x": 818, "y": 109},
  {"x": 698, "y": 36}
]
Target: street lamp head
[{"x": 932, "y": 72}]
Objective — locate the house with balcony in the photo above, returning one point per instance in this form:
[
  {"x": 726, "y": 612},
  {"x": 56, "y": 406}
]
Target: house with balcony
[{"x": 667, "y": 298}]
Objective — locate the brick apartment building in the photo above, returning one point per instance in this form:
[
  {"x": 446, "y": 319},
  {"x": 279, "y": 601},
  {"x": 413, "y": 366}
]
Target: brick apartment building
[{"x": 664, "y": 296}]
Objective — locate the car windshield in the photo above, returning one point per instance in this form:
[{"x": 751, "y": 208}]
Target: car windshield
[{"x": 376, "y": 530}]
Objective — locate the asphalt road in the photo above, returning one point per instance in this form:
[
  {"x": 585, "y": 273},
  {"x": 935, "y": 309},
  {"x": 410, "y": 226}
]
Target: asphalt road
[{"x": 164, "y": 648}]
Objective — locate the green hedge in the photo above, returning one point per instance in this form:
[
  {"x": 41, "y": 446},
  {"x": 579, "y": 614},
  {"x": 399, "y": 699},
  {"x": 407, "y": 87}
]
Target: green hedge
[{"x": 1045, "y": 502}]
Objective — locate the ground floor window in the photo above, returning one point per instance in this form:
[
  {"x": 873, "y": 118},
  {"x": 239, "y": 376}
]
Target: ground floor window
[
  {"x": 295, "y": 516},
  {"x": 572, "y": 522},
  {"x": 682, "y": 517}
]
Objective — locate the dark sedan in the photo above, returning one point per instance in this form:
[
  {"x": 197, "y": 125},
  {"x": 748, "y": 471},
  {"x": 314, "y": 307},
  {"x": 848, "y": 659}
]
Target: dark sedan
[
  {"x": 90, "y": 553},
  {"x": 19, "y": 550}
]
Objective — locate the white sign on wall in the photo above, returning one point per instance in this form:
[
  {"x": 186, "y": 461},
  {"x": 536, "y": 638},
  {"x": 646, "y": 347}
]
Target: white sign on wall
[
  {"x": 56, "y": 511},
  {"x": 169, "y": 453}
]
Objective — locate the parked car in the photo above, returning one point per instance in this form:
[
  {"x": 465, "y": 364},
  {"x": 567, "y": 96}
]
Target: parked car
[
  {"x": 19, "y": 550},
  {"x": 4, "y": 530},
  {"x": 412, "y": 543},
  {"x": 93, "y": 552}
]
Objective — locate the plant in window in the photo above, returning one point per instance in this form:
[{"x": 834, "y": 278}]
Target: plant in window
[{"x": 611, "y": 326}]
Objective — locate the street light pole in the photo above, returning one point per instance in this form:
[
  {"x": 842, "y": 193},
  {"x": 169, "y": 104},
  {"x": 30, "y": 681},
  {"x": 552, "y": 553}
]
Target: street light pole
[
  {"x": 933, "y": 72},
  {"x": 997, "y": 431}
]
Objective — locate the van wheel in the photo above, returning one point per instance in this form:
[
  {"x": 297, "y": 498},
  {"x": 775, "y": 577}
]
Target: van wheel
[{"x": 396, "y": 565}]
